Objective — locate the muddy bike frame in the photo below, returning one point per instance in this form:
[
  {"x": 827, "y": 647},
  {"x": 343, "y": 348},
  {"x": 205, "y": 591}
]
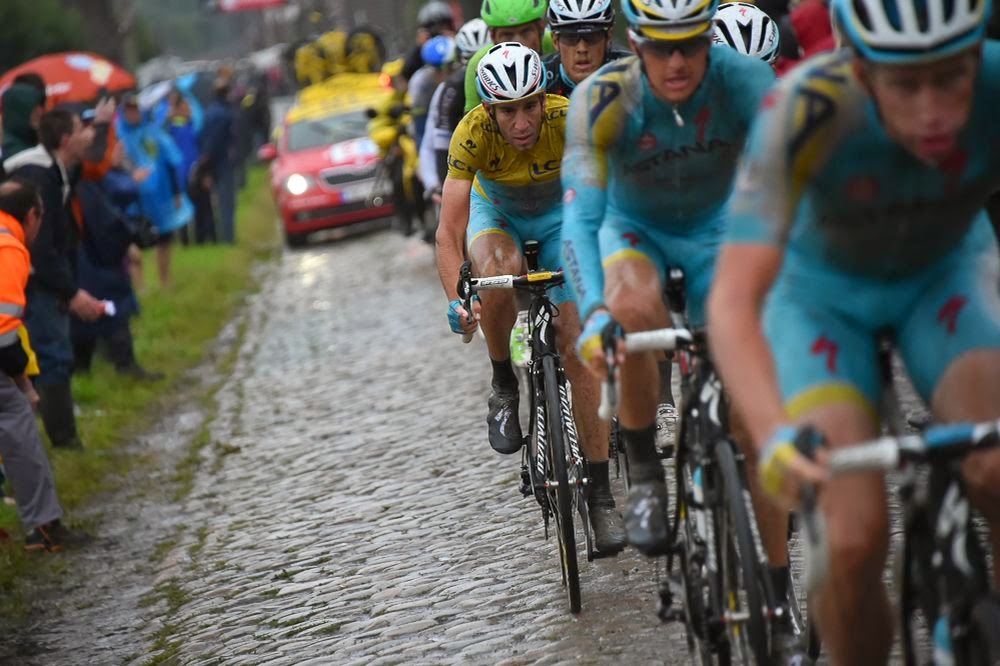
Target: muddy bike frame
[
  {"x": 727, "y": 599},
  {"x": 552, "y": 464}
]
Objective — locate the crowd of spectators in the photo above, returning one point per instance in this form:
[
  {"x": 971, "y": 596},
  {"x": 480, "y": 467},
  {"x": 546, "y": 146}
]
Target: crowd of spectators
[{"x": 83, "y": 190}]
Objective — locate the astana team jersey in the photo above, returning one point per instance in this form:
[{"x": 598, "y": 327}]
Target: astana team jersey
[
  {"x": 874, "y": 240},
  {"x": 651, "y": 176}
]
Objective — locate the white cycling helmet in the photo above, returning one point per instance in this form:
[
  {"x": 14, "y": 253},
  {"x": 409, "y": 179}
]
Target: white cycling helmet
[
  {"x": 668, "y": 20},
  {"x": 508, "y": 72},
  {"x": 907, "y": 31},
  {"x": 433, "y": 13},
  {"x": 748, "y": 29},
  {"x": 580, "y": 15},
  {"x": 471, "y": 37}
]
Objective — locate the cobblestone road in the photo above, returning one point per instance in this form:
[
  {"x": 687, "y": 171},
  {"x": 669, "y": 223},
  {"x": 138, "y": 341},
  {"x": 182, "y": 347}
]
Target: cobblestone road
[
  {"x": 347, "y": 509},
  {"x": 364, "y": 518}
]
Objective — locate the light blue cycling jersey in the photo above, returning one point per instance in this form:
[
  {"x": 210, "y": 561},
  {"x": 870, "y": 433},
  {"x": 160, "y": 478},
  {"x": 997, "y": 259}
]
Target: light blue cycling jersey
[
  {"x": 652, "y": 172},
  {"x": 821, "y": 176},
  {"x": 875, "y": 241}
]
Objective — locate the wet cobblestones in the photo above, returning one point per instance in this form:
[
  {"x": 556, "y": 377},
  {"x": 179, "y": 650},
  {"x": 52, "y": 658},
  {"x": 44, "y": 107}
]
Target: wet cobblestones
[{"x": 348, "y": 508}]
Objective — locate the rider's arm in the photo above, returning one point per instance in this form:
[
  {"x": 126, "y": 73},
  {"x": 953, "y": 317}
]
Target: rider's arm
[
  {"x": 761, "y": 212},
  {"x": 463, "y": 164},
  {"x": 451, "y": 232},
  {"x": 584, "y": 180}
]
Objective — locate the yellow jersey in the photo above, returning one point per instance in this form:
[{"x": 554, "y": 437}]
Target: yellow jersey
[{"x": 500, "y": 172}]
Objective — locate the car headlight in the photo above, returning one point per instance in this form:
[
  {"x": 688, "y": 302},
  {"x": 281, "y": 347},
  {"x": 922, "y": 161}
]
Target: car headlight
[{"x": 297, "y": 184}]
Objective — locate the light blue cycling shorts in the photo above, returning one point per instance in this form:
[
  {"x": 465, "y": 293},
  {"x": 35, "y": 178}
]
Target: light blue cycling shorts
[
  {"x": 693, "y": 250},
  {"x": 823, "y": 326},
  {"x": 485, "y": 217}
]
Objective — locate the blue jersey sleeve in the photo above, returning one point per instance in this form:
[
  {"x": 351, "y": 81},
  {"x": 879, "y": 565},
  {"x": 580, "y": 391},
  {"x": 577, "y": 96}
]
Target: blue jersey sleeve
[{"x": 591, "y": 134}]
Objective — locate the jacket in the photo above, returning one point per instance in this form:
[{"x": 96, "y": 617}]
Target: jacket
[
  {"x": 52, "y": 251},
  {"x": 18, "y": 102},
  {"x": 15, "y": 267}
]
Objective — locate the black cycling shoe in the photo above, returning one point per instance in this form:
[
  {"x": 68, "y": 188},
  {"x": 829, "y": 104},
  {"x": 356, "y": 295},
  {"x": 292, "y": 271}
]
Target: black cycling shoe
[
  {"x": 609, "y": 532},
  {"x": 504, "y": 427},
  {"x": 646, "y": 525}
]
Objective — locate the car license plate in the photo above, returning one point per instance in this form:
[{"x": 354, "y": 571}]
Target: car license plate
[{"x": 362, "y": 189}]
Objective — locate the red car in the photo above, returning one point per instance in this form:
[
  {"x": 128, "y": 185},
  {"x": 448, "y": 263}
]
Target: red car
[{"x": 323, "y": 173}]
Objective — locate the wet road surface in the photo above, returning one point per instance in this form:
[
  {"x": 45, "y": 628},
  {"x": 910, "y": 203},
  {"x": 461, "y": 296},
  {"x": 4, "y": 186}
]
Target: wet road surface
[{"x": 347, "y": 508}]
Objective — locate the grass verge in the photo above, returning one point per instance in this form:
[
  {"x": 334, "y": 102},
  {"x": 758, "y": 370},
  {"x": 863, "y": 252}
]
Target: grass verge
[{"x": 173, "y": 334}]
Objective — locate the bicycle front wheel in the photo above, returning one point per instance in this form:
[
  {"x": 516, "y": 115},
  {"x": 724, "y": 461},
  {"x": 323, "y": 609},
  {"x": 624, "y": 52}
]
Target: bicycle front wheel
[
  {"x": 743, "y": 595},
  {"x": 561, "y": 494}
]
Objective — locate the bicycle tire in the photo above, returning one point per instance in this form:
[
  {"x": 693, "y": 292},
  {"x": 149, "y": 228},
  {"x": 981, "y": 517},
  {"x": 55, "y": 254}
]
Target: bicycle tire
[
  {"x": 693, "y": 584},
  {"x": 736, "y": 540},
  {"x": 563, "y": 504}
]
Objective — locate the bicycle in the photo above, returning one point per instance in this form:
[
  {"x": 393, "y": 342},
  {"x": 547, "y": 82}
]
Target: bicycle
[
  {"x": 942, "y": 567},
  {"x": 727, "y": 600},
  {"x": 552, "y": 465}
]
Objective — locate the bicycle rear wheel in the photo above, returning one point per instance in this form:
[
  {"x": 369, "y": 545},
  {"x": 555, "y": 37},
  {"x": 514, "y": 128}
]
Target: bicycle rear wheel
[
  {"x": 561, "y": 497},
  {"x": 740, "y": 568}
]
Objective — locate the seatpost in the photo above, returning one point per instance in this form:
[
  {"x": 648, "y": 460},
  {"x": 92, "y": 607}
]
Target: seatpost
[
  {"x": 531, "y": 250},
  {"x": 676, "y": 301}
]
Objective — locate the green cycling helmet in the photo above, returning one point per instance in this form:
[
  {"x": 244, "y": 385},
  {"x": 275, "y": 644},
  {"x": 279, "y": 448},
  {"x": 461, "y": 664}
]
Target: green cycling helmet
[{"x": 503, "y": 13}]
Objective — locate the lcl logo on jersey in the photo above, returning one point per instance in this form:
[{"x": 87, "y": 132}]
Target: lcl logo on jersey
[{"x": 647, "y": 141}]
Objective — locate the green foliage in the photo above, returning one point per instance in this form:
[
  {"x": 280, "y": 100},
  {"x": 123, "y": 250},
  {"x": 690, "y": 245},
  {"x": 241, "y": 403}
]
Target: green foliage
[{"x": 30, "y": 28}]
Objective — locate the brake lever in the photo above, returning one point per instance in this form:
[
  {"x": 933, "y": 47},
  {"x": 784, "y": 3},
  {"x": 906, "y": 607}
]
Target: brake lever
[{"x": 464, "y": 289}]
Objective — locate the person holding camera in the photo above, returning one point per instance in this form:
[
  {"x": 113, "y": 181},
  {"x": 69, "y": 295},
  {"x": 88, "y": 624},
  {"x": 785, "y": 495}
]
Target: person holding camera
[{"x": 112, "y": 223}]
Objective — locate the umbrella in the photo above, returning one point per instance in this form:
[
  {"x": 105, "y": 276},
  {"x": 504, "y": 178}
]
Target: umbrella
[{"x": 74, "y": 76}]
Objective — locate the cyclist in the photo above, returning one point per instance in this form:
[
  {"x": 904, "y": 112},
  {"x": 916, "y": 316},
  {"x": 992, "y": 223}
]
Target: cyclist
[
  {"x": 447, "y": 107},
  {"x": 434, "y": 19},
  {"x": 439, "y": 55},
  {"x": 502, "y": 189},
  {"x": 581, "y": 31},
  {"x": 748, "y": 29},
  {"x": 858, "y": 210},
  {"x": 653, "y": 141},
  {"x": 521, "y": 21}
]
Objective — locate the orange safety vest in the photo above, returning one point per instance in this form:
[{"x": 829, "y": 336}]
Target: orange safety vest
[{"x": 15, "y": 266}]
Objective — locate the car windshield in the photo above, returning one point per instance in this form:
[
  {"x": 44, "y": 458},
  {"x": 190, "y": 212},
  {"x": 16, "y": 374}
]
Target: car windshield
[{"x": 318, "y": 132}]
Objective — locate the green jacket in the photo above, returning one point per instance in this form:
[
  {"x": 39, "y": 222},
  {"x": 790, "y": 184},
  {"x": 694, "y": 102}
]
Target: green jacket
[{"x": 18, "y": 102}]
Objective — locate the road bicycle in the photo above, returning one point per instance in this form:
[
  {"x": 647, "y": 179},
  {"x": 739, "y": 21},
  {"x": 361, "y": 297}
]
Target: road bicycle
[
  {"x": 943, "y": 576},
  {"x": 552, "y": 465},
  {"x": 727, "y": 600}
]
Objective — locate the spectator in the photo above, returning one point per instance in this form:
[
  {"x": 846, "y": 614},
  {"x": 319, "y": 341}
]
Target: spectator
[
  {"x": 216, "y": 145},
  {"x": 160, "y": 195},
  {"x": 24, "y": 457},
  {"x": 183, "y": 129},
  {"x": 53, "y": 288},
  {"x": 23, "y": 106},
  {"x": 108, "y": 209}
]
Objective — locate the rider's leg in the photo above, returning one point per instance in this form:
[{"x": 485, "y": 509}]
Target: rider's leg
[
  {"x": 633, "y": 293},
  {"x": 633, "y": 296},
  {"x": 951, "y": 346},
  {"x": 969, "y": 390},
  {"x": 824, "y": 359},
  {"x": 852, "y": 607},
  {"x": 586, "y": 389},
  {"x": 499, "y": 254},
  {"x": 609, "y": 535}
]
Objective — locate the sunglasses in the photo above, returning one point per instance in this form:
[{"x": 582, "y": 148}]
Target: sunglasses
[
  {"x": 590, "y": 38},
  {"x": 686, "y": 47}
]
